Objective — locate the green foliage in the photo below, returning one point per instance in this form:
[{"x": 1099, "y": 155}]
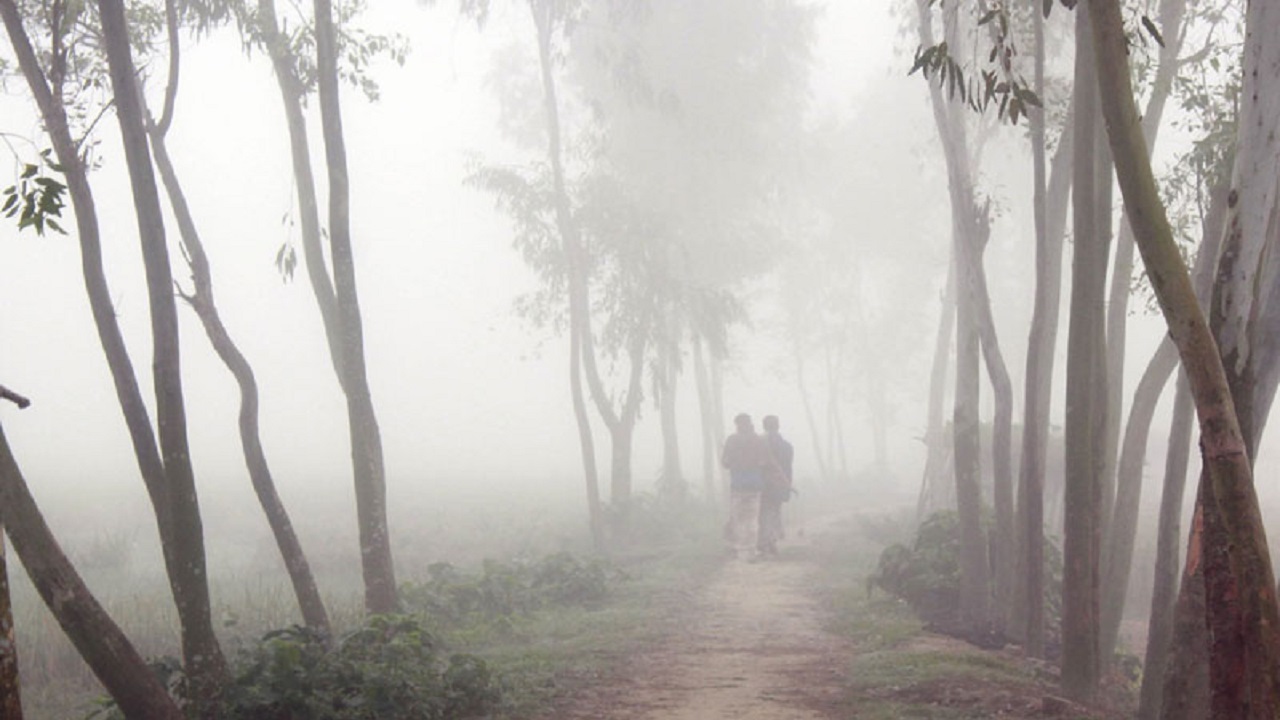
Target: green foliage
[
  {"x": 36, "y": 200},
  {"x": 505, "y": 591},
  {"x": 927, "y": 575},
  {"x": 389, "y": 669}
]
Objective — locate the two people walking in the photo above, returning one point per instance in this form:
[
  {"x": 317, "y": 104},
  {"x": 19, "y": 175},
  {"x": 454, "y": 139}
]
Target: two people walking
[{"x": 759, "y": 482}]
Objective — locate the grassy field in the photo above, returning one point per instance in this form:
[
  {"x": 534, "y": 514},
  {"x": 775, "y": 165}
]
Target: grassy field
[{"x": 537, "y": 656}]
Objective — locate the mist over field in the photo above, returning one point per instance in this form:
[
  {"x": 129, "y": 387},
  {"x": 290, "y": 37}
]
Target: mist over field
[{"x": 583, "y": 237}]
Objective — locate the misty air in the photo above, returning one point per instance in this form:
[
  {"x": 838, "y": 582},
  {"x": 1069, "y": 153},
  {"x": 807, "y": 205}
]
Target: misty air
[{"x": 639, "y": 359}]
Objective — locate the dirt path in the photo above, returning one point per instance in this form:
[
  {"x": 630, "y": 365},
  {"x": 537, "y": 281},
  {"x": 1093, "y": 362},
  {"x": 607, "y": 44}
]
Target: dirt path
[{"x": 751, "y": 647}]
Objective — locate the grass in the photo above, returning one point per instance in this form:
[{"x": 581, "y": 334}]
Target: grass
[
  {"x": 539, "y": 658},
  {"x": 898, "y": 668}
]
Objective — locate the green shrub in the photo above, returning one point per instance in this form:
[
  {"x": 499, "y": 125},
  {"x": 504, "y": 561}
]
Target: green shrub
[
  {"x": 389, "y": 669},
  {"x": 927, "y": 575}
]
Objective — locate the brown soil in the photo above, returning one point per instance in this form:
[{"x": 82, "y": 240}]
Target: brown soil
[{"x": 750, "y": 645}]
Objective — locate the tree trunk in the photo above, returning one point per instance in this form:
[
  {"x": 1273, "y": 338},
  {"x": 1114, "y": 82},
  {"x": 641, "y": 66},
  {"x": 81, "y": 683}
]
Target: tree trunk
[
  {"x": 1124, "y": 526},
  {"x": 1164, "y": 593},
  {"x": 1050, "y": 219},
  {"x": 202, "y": 656},
  {"x": 107, "y": 652},
  {"x": 201, "y": 300},
  {"x": 1080, "y": 651},
  {"x": 1002, "y": 439},
  {"x": 703, "y": 384},
  {"x": 966, "y": 225},
  {"x": 672, "y": 481},
  {"x": 937, "y": 445},
  {"x": 10, "y": 688},
  {"x": 824, "y": 472},
  {"x": 380, "y": 595},
  {"x": 1240, "y": 588}
]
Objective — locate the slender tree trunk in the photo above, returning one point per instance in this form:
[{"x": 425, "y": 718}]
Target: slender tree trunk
[
  {"x": 1164, "y": 593},
  {"x": 107, "y": 652},
  {"x": 703, "y": 384},
  {"x": 824, "y": 471},
  {"x": 179, "y": 532},
  {"x": 304, "y": 585},
  {"x": 1124, "y": 526},
  {"x": 967, "y": 224},
  {"x": 1050, "y": 218},
  {"x": 673, "y": 482},
  {"x": 202, "y": 656},
  {"x": 1239, "y": 584},
  {"x": 1080, "y": 651},
  {"x": 937, "y": 447},
  {"x": 380, "y": 595},
  {"x": 292, "y": 94},
  {"x": 717, "y": 415},
  {"x": 1002, "y": 440},
  {"x": 10, "y": 688},
  {"x": 581, "y": 352}
]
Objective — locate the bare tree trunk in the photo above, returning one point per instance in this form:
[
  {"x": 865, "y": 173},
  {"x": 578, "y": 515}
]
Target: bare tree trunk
[
  {"x": 1050, "y": 218},
  {"x": 1002, "y": 441},
  {"x": 672, "y": 481},
  {"x": 201, "y": 300},
  {"x": 968, "y": 223},
  {"x": 1085, "y": 345},
  {"x": 709, "y": 455},
  {"x": 1164, "y": 593},
  {"x": 380, "y": 595},
  {"x": 1124, "y": 526},
  {"x": 10, "y": 687},
  {"x": 202, "y": 656},
  {"x": 1239, "y": 583},
  {"x": 107, "y": 652},
  {"x": 935, "y": 440},
  {"x": 824, "y": 471},
  {"x": 581, "y": 351}
]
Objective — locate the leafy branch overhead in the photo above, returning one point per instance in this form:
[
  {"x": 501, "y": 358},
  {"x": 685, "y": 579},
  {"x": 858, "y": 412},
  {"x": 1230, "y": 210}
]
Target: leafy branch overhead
[{"x": 36, "y": 199}]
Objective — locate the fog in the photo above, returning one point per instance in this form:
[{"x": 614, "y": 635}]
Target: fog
[{"x": 473, "y": 399}]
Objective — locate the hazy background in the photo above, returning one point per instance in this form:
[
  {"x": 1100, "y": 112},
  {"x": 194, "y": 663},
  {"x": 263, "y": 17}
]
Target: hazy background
[{"x": 471, "y": 400}]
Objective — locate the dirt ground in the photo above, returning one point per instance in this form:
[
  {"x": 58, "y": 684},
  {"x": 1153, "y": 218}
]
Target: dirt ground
[
  {"x": 750, "y": 647},
  {"x": 750, "y": 644}
]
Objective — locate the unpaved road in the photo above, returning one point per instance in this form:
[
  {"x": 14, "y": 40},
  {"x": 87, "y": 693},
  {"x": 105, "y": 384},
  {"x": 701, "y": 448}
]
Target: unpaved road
[{"x": 751, "y": 647}]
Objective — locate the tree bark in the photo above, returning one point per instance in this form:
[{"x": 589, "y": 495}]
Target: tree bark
[
  {"x": 179, "y": 528},
  {"x": 1164, "y": 592},
  {"x": 1051, "y": 219},
  {"x": 1081, "y": 526},
  {"x": 380, "y": 594},
  {"x": 10, "y": 687},
  {"x": 937, "y": 447},
  {"x": 202, "y": 301},
  {"x": 1239, "y": 583},
  {"x": 202, "y": 655},
  {"x": 105, "y": 649},
  {"x": 672, "y": 481},
  {"x": 1124, "y": 526}
]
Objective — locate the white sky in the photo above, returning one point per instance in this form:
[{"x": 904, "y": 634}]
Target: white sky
[{"x": 464, "y": 390}]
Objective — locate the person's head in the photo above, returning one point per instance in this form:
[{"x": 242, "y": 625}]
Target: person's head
[
  {"x": 743, "y": 423},
  {"x": 771, "y": 423}
]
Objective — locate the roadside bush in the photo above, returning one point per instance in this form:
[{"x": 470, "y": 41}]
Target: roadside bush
[
  {"x": 927, "y": 576},
  {"x": 502, "y": 591},
  {"x": 389, "y": 669}
]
